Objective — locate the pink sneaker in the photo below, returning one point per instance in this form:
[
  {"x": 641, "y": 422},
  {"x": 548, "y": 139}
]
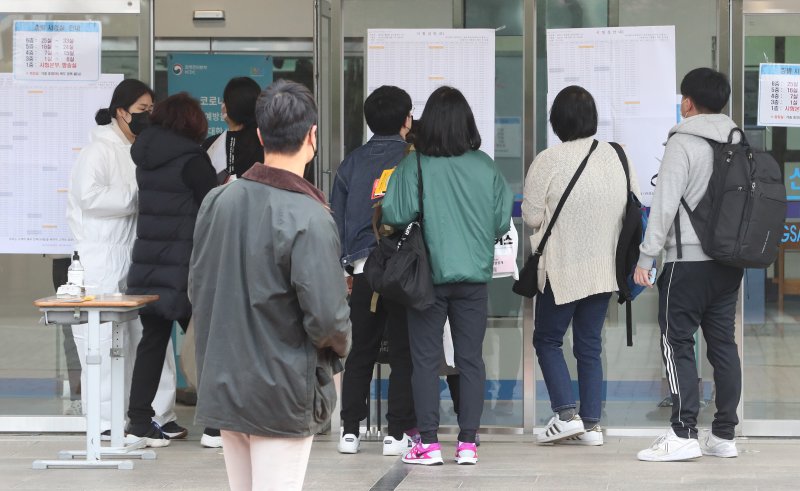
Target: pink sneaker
[
  {"x": 466, "y": 453},
  {"x": 430, "y": 454}
]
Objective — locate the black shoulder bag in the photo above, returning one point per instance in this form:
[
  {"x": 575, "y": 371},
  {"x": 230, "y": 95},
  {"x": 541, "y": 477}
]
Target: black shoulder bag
[
  {"x": 398, "y": 267},
  {"x": 528, "y": 283}
]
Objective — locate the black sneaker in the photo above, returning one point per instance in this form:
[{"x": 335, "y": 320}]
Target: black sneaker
[
  {"x": 105, "y": 436},
  {"x": 174, "y": 431},
  {"x": 149, "y": 432}
]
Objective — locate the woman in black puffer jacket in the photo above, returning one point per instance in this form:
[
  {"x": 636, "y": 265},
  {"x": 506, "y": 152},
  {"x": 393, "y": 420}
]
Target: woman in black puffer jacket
[{"x": 174, "y": 174}]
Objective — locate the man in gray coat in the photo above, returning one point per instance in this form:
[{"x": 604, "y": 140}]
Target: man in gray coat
[
  {"x": 694, "y": 290},
  {"x": 270, "y": 303}
]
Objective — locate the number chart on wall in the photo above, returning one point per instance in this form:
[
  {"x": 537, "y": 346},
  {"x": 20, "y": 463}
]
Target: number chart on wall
[
  {"x": 43, "y": 126},
  {"x": 630, "y": 72},
  {"x": 778, "y": 94},
  {"x": 421, "y": 60}
]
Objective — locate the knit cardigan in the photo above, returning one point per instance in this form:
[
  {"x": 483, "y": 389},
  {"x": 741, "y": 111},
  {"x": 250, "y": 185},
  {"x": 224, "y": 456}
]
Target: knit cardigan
[{"x": 578, "y": 258}]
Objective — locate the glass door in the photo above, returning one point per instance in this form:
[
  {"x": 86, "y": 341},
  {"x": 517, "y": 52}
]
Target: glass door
[
  {"x": 38, "y": 374},
  {"x": 771, "y": 392}
]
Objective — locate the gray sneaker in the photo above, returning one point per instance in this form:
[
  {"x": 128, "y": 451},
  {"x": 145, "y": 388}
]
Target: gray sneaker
[{"x": 712, "y": 445}]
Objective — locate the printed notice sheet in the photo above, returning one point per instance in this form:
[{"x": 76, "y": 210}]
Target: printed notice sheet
[
  {"x": 630, "y": 72},
  {"x": 421, "y": 60},
  {"x": 43, "y": 127},
  {"x": 57, "y": 50},
  {"x": 778, "y": 94}
]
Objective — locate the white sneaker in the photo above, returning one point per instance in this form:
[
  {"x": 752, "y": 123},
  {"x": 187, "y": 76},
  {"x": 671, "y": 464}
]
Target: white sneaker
[
  {"x": 670, "y": 448},
  {"x": 558, "y": 430},
  {"x": 394, "y": 447},
  {"x": 74, "y": 409},
  {"x": 710, "y": 444},
  {"x": 592, "y": 437},
  {"x": 209, "y": 441},
  {"x": 349, "y": 443}
]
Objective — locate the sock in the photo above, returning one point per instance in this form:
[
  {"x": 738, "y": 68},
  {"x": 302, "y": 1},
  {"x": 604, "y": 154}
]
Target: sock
[
  {"x": 588, "y": 425},
  {"x": 566, "y": 414}
]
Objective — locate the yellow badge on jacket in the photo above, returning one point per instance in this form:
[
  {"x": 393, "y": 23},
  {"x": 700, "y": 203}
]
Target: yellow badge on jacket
[{"x": 380, "y": 184}]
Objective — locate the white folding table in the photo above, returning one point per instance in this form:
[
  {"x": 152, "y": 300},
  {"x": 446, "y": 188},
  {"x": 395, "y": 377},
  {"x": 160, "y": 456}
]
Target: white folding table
[{"x": 116, "y": 309}]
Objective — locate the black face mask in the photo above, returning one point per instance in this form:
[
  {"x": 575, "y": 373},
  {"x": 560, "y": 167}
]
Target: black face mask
[{"x": 139, "y": 121}]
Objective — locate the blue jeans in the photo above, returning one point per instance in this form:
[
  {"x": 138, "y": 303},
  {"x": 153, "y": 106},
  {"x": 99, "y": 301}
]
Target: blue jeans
[{"x": 550, "y": 325}]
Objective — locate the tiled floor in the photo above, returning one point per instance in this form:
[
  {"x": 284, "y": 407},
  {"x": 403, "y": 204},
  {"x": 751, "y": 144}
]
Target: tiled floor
[{"x": 506, "y": 463}]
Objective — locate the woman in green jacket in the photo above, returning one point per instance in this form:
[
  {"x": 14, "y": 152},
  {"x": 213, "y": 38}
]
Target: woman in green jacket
[{"x": 467, "y": 205}]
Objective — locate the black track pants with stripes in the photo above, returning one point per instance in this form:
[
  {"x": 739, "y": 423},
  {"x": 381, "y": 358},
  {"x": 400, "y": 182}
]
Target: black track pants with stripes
[{"x": 691, "y": 295}]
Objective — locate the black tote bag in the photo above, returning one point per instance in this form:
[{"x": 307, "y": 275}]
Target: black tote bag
[{"x": 398, "y": 268}]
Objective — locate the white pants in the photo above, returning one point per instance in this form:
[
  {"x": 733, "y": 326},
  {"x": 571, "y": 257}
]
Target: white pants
[
  {"x": 259, "y": 463},
  {"x": 164, "y": 403}
]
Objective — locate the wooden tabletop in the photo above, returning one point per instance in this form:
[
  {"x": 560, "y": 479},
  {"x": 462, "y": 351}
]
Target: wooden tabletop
[{"x": 97, "y": 301}]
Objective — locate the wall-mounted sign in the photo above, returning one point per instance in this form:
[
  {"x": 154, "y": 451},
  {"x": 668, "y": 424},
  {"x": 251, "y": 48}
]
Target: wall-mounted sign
[
  {"x": 778, "y": 94},
  {"x": 205, "y": 76},
  {"x": 57, "y": 50}
]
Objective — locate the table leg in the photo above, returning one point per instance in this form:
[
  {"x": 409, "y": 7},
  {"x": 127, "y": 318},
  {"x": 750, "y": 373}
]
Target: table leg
[
  {"x": 117, "y": 386},
  {"x": 93, "y": 359}
]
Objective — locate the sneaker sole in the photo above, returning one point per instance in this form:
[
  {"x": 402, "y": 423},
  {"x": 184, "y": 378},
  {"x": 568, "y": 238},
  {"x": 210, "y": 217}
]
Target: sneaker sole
[
  {"x": 348, "y": 451},
  {"x": 583, "y": 443},
  {"x": 205, "y": 443},
  {"x": 725, "y": 455},
  {"x": 394, "y": 453},
  {"x": 561, "y": 436},
  {"x": 177, "y": 436},
  {"x": 438, "y": 461},
  {"x": 148, "y": 442},
  {"x": 681, "y": 455},
  {"x": 466, "y": 460}
]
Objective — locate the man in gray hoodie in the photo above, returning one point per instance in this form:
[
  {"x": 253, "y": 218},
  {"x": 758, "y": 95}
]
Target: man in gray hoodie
[{"x": 694, "y": 290}]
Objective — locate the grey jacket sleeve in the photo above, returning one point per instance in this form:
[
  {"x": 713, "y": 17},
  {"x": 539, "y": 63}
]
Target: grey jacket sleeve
[
  {"x": 673, "y": 177},
  {"x": 320, "y": 286}
]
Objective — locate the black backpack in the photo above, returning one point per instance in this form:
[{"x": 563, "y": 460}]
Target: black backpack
[
  {"x": 627, "y": 254},
  {"x": 739, "y": 220}
]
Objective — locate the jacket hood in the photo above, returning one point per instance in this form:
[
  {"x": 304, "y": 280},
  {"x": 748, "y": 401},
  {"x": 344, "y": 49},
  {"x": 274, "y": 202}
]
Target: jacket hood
[
  {"x": 715, "y": 127},
  {"x": 157, "y": 146},
  {"x": 109, "y": 133}
]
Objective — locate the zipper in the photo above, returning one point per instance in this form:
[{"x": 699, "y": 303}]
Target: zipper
[{"x": 748, "y": 204}]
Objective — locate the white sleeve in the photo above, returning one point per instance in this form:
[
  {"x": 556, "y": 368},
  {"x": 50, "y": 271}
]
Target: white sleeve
[{"x": 92, "y": 185}]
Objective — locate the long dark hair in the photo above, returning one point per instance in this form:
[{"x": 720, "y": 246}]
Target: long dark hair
[
  {"x": 125, "y": 95},
  {"x": 447, "y": 126}
]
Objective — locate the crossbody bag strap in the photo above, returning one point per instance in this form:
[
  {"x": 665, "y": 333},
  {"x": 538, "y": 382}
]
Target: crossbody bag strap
[
  {"x": 624, "y": 160},
  {"x": 419, "y": 189},
  {"x": 563, "y": 199}
]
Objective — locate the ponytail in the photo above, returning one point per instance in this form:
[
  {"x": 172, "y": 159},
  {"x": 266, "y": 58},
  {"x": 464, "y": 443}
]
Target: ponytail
[{"x": 103, "y": 117}]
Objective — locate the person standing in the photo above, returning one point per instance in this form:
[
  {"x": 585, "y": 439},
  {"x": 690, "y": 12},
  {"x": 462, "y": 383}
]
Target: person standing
[
  {"x": 270, "y": 303},
  {"x": 467, "y": 205},
  {"x": 235, "y": 150},
  {"x": 101, "y": 213},
  {"x": 359, "y": 185},
  {"x": 174, "y": 174},
  {"x": 694, "y": 290},
  {"x": 575, "y": 281},
  {"x": 232, "y": 152}
]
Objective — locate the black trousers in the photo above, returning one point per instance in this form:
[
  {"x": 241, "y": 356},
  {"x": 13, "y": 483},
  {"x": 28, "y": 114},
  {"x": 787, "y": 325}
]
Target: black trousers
[
  {"x": 466, "y": 305},
  {"x": 150, "y": 356},
  {"x": 368, "y": 329},
  {"x": 691, "y": 295}
]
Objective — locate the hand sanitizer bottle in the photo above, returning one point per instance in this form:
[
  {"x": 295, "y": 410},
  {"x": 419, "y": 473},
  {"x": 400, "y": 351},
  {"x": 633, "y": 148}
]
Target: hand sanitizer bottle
[{"x": 75, "y": 271}]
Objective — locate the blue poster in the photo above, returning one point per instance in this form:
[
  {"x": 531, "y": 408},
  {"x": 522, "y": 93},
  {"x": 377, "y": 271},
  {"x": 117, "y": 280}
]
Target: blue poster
[{"x": 204, "y": 77}]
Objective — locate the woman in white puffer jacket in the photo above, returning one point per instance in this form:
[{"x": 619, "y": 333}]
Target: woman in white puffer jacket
[{"x": 101, "y": 212}]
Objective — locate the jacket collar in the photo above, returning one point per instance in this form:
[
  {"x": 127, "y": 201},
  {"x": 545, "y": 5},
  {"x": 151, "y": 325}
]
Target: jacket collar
[
  {"x": 283, "y": 179},
  {"x": 396, "y": 138}
]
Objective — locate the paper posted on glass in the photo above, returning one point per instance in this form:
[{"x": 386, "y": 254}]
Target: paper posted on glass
[{"x": 505, "y": 254}]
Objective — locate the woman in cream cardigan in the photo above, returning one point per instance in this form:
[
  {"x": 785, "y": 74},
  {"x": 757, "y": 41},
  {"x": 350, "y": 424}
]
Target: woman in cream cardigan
[{"x": 576, "y": 271}]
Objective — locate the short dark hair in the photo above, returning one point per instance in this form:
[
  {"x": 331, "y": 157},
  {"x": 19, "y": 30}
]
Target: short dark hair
[
  {"x": 285, "y": 112},
  {"x": 125, "y": 95},
  {"x": 386, "y": 110},
  {"x": 707, "y": 88},
  {"x": 573, "y": 115},
  {"x": 240, "y": 97},
  {"x": 182, "y": 114},
  {"x": 447, "y": 126}
]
